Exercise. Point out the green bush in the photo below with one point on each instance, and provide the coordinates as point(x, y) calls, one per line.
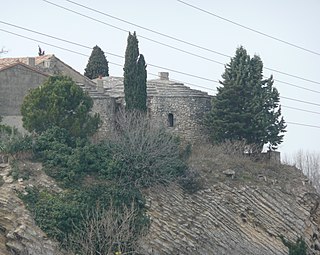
point(191, 181)
point(19, 171)
point(1, 181)
point(60, 214)
point(101, 176)
point(298, 248)
point(12, 142)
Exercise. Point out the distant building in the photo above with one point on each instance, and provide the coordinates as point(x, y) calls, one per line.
point(180, 108)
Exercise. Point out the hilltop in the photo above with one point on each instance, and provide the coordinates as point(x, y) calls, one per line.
point(231, 206)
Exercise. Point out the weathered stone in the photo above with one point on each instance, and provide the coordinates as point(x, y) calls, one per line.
point(229, 173)
point(227, 219)
point(18, 232)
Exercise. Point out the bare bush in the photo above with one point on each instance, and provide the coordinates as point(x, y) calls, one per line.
point(150, 154)
point(107, 231)
point(309, 164)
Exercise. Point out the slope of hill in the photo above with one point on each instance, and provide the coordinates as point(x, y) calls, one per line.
point(241, 214)
point(241, 207)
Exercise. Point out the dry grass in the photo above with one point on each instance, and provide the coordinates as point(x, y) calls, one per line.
point(210, 161)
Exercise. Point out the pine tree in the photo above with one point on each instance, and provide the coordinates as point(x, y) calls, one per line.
point(59, 102)
point(135, 76)
point(246, 107)
point(97, 64)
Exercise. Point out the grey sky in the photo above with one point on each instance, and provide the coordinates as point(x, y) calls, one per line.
point(293, 21)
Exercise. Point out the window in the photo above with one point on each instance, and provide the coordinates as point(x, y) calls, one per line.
point(47, 63)
point(170, 119)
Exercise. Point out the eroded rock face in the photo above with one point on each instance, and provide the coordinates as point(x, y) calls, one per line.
point(18, 233)
point(228, 216)
point(226, 219)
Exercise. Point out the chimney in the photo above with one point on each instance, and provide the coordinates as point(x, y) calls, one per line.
point(100, 87)
point(31, 61)
point(164, 76)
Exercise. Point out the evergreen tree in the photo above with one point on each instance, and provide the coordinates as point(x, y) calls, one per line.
point(135, 76)
point(246, 107)
point(97, 64)
point(59, 102)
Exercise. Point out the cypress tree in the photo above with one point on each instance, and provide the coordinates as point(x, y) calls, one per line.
point(97, 64)
point(141, 95)
point(246, 107)
point(135, 76)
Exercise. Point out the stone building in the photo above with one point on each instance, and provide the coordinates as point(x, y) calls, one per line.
point(180, 108)
point(19, 75)
point(15, 81)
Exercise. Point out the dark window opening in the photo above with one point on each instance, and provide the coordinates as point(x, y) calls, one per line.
point(170, 119)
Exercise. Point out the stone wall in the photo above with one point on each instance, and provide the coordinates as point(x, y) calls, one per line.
point(106, 107)
point(15, 83)
point(188, 115)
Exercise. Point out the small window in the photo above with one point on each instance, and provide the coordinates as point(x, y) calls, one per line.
point(47, 63)
point(170, 119)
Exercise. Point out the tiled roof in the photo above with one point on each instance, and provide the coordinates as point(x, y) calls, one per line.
point(158, 88)
point(4, 62)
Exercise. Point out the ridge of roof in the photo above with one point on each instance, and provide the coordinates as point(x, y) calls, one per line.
point(155, 87)
point(9, 61)
point(24, 65)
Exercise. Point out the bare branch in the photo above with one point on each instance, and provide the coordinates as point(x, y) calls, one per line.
point(151, 153)
point(107, 231)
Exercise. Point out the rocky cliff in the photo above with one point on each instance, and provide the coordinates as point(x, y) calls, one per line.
point(19, 234)
point(240, 209)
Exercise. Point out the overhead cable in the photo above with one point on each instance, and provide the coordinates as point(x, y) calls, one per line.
point(167, 36)
point(248, 28)
point(169, 69)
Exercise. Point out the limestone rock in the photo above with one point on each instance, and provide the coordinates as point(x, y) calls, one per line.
point(231, 219)
point(18, 232)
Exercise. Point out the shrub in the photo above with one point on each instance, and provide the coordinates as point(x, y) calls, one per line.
point(15, 144)
point(144, 152)
point(298, 248)
point(19, 171)
point(60, 215)
point(191, 181)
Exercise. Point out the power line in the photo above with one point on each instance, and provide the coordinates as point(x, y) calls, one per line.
point(116, 64)
point(116, 55)
point(148, 29)
point(248, 28)
point(167, 36)
point(302, 124)
point(172, 70)
point(76, 52)
point(300, 101)
point(127, 31)
point(299, 109)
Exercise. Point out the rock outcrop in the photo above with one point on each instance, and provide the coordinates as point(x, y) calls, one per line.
point(18, 232)
point(243, 213)
point(234, 217)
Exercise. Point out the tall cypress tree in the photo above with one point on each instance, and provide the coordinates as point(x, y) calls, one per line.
point(135, 76)
point(97, 64)
point(246, 107)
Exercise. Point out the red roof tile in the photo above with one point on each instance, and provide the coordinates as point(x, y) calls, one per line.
point(4, 62)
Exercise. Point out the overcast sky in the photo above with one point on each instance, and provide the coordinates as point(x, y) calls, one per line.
point(292, 21)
